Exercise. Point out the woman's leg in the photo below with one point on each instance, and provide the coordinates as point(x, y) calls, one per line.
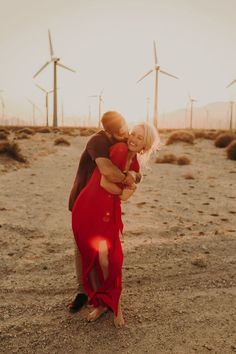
point(119, 319)
point(104, 264)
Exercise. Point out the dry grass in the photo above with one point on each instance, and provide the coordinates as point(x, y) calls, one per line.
point(22, 136)
point(88, 131)
point(223, 140)
point(4, 130)
point(182, 136)
point(183, 160)
point(28, 131)
point(44, 130)
point(188, 176)
point(172, 159)
point(168, 158)
point(12, 150)
point(3, 136)
point(61, 141)
point(231, 150)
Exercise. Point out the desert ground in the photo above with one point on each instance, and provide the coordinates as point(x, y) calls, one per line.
point(179, 273)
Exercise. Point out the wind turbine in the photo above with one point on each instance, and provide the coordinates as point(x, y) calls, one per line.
point(231, 83)
point(156, 69)
point(148, 104)
point(3, 105)
point(46, 100)
point(100, 100)
point(55, 60)
point(191, 100)
point(231, 114)
point(34, 106)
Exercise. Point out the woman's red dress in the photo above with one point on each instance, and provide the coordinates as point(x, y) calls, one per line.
point(96, 216)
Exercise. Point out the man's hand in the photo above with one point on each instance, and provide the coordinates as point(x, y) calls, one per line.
point(129, 179)
point(132, 177)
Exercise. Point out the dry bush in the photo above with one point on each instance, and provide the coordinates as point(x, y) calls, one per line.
point(3, 136)
point(183, 136)
point(4, 130)
point(26, 131)
point(22, 136)
point(12, 150)
point(199, 134)
point(168, 158)
point(224, 140)
point(44, 130)
point(183, 160)
point(88, 131)
point(188, 176)
point(61, 141)
point(231, 150)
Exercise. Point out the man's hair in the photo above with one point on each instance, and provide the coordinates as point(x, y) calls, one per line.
point(112, 121)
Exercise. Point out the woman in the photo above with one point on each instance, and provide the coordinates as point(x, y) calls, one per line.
point(96, 223)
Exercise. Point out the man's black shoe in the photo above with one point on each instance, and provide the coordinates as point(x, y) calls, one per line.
point(79, 301)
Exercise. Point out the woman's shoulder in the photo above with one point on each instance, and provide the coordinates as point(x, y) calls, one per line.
point(119, 147)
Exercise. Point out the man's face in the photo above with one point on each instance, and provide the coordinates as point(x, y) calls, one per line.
point(122, 134)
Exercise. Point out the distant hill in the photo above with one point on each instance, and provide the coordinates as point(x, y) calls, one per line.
point(213, 115)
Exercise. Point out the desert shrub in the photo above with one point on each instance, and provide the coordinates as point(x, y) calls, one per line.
point(26, 131)
point(167, 158)
point(199, 134)
point(44, 130)
point(231, 150)
point(61, 141)
point(4, 130)
point(188, 176)
point(224, 140)
point(12, 150)
point(3, 136)
point(183, 160)
point(22, 136)
point(180, 136)
point(88, 131)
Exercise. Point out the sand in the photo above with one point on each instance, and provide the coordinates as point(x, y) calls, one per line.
point(179, 274)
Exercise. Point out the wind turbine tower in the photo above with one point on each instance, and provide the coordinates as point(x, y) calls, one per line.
point(46, 101)
point(56, 62)
point(231, 106)
point(191, 100)
point(157, 69)
point(100, 100)
point(34, 107)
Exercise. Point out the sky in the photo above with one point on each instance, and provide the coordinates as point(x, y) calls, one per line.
point(110, 45)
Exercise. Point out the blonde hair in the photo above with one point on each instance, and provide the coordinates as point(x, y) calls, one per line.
point(151, 142)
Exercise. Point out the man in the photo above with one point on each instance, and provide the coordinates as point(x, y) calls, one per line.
point(95, 154)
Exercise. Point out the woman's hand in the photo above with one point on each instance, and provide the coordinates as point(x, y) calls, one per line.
point(127, 192)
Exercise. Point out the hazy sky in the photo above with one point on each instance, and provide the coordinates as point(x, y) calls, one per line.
point(110, 45)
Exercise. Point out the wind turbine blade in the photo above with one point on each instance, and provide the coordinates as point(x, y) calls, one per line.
point(149, 72)
point(66, 67)
point(43, 67)
point(41, 88)
point(231, 83)
point(165, 73)
point(101, 92)
point(50, 44)
point(93, 96)
point(155, 53)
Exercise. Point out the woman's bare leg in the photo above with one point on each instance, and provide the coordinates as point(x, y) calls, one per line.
point(104, 263)
point(119, 319)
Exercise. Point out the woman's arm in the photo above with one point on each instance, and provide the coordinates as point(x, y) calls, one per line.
point(127, 192)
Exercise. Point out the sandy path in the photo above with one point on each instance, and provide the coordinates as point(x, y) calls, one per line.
point(171, 305)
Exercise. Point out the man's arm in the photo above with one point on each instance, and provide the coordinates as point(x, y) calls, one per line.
point(109, 170)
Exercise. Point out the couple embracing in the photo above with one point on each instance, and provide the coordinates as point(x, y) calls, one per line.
point(108, 172)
